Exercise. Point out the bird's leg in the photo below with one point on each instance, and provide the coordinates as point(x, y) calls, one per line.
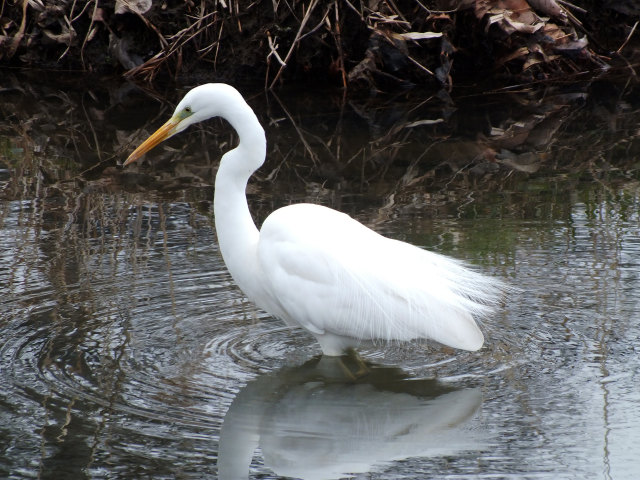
point(348, 366)
point(353, 365)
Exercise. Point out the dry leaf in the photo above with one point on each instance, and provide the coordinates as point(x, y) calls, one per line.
point(510, 15)
point(519, 53)
point(98, 15)
point(66, 37)
point(516, 134)
point(519, 26)
point(135, 6)
point(528, 162)
point(36, 5)
point(424, 122)
point(548, 7)
point(420, 35)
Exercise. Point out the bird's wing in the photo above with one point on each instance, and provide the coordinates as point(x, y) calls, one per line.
point(331, 274)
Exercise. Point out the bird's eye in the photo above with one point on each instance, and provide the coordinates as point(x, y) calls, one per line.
point(187, 109)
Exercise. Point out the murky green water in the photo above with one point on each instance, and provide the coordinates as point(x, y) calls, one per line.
point(127, 352)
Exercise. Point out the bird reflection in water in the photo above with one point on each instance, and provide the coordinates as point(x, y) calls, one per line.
point(319, 421)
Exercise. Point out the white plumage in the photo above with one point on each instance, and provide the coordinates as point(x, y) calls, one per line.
point(320, 269)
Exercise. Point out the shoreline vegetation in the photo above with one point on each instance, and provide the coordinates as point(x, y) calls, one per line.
point(503, 90)
point(358, 45)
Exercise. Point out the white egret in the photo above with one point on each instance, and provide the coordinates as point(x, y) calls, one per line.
point(319, 269)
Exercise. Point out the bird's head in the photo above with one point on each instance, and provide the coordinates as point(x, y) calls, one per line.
point(200, 103)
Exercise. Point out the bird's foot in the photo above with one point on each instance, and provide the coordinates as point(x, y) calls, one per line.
point(348, 367)
point(353, 366)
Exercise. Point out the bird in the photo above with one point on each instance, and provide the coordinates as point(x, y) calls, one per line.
point(317, 268)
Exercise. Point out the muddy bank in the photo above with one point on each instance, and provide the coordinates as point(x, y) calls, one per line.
point(369, 45)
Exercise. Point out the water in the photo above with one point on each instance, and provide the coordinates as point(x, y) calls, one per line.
point(127, 352)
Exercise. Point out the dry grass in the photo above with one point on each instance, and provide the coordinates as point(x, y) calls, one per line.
point(353, 44)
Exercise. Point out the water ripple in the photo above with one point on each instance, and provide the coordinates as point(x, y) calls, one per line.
point(127, 347)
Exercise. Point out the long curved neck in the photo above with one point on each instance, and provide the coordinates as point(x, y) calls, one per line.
point(236, 231)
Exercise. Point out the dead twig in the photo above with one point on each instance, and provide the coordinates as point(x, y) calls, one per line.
point(149, 68)
point(304, 21)
point(310, 151)
point(338, 39)
point(89, 34)
point(624, 44)
point(358, 12)
point(15, 41)
point(273, 46)
point(273, 50)
point(572, 6)
point(420, 66)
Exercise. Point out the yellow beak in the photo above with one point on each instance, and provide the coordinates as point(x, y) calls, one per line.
point(164, 132)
